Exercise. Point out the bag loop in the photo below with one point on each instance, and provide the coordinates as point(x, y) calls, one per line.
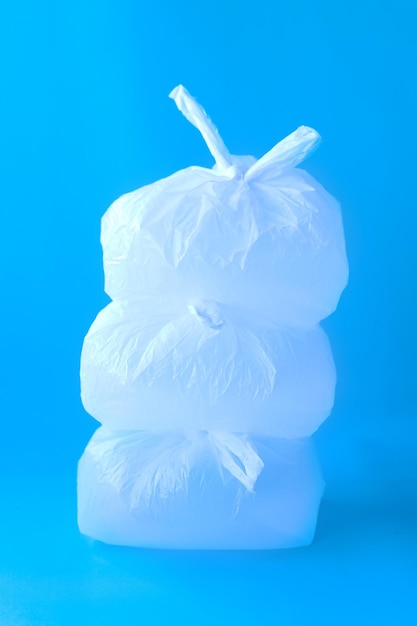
point(197, 116)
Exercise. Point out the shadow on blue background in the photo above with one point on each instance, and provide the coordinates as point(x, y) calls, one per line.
point(85, 117)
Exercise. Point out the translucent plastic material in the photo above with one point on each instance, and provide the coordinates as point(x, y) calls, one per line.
point(209, 371)
point(268, 240)
point(209, 368)
point(196, 490)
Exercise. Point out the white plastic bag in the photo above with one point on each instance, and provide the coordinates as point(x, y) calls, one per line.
point(209, 368)
point(262, 235)
point(196, 490)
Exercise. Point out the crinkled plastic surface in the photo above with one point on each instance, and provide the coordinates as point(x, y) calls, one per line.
point(196, 490)
point(209, 370)
point(260, 234)
point(209, 367)
point(270, 242)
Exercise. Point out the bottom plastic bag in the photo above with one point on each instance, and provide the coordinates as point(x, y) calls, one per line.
point(200, 490)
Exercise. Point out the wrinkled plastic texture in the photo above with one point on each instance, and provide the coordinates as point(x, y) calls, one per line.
point(182, 491)
point(269, 241)
point(208, 370)
point(176, 371)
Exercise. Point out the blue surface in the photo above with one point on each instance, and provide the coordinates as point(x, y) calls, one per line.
point(85, 116)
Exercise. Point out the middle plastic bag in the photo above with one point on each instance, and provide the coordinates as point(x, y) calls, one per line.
point(209, 368)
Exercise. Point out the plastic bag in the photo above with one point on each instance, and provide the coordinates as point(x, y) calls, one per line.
point(261, 235)
point(196, 490)
point(208, 368)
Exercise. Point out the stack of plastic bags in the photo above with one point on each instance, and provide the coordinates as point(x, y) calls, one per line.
point(208, 370)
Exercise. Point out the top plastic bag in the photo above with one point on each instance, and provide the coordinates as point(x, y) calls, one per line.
point(258, 234)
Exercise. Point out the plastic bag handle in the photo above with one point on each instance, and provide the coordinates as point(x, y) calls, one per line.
point(195, 114)
point(289, 152)
point(230, 447)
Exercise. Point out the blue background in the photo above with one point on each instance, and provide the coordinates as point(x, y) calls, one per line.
point(85, 117)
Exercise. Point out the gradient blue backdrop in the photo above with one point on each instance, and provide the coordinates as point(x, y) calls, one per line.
point(85, 117)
